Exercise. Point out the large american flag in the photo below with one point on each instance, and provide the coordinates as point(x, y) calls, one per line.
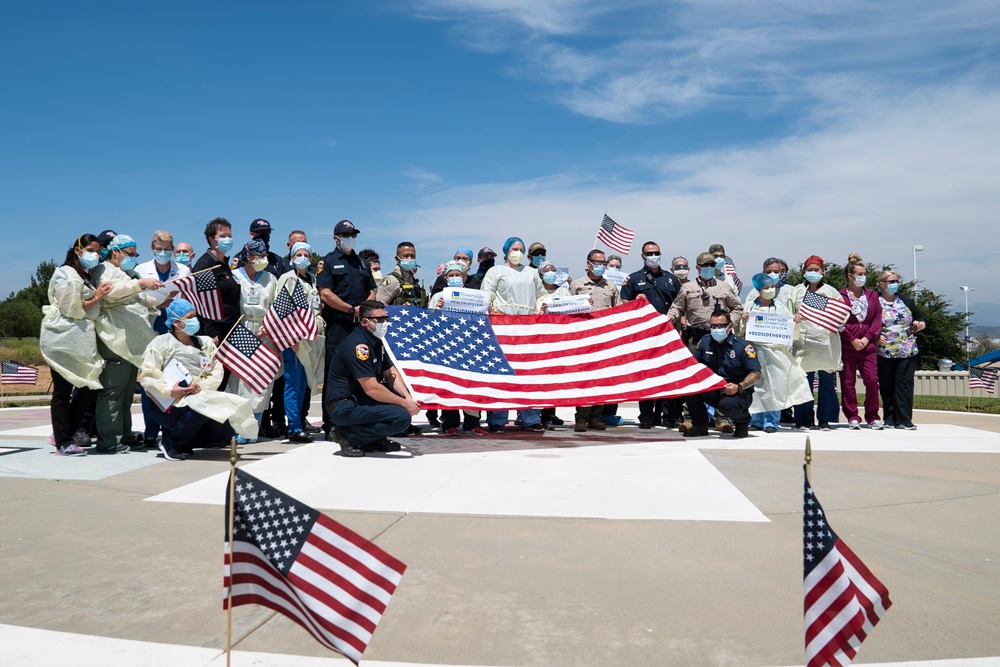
point(249, 358)
point(290, 319)
point(290, 558)
point(202, 289)
point(824, 312)
point(843, 599)
point(731, 272)
point(983, 378)
point(615, 236)
point(16, 373)
point(497, 362)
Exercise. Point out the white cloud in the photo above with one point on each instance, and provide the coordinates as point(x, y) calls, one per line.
point(421, 176)
point(877, 178)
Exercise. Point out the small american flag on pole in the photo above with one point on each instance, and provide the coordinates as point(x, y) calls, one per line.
point(246, 356)
point(202, 289)
point(615, 236)
point(290, 558)
point(843, 599)
point(15, 373)
point(824, 312)
point(290, 319)
point(498, 362)
point(731, 272)
point(983, 378)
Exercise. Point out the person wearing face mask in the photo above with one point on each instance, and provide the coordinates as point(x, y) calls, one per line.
point(859, 339)
point(536, 254)
point(615, 262)
point(68, 342)
point(123, 332)
point(487, 259)
point(401, 287)
point(257, 290)
point(660, 288)
point(680, 268)
point(303, 362)
point(816, 350)
point(344, 283)
point(776, 270)
point(514, 290)
point(163, 268)
point(550, 281)
point(898, 353)
point(219, 234)
point(260, 229)
point(602, 295)
point(295, 236)
point(198, 414)
point(783, 383)
point(719, 253)
point(104, 238)
point(374, 263)
point(367, 400)
point(184, 254)
point(470, 281)
point(735, 360)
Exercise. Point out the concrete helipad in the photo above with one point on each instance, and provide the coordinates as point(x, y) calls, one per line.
point(626, 547)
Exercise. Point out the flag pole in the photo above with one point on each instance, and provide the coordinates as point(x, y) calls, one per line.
point(232, 515)
point(809, 458)
point(596, 239)
point(193, 273)
point(212, 357)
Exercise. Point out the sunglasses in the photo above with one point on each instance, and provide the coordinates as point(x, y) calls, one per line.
point(598, 263)
point(719, 327)
point(349, 235)
point(891, 282)
point(681, 267)
point(650, 254)
point(378, 320)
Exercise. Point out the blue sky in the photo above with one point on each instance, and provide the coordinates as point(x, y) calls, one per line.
point(774, 128)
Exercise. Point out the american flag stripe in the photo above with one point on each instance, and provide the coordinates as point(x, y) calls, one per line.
point(615, 236)
point(290, 318)
point(18, 373)
point(731, 272)
point(983, 378)
point(843, 600)
point(622, 354)
point(202, 290)
point(292, 559)
point(253, 362)
point(824, 312)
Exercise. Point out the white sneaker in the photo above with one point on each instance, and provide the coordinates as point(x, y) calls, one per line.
point(877, 425)
point(854, 424)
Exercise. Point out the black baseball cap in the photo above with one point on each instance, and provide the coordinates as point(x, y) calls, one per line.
point(483, 252)
point(260, 225)
point(104, 238)
point(345, 227)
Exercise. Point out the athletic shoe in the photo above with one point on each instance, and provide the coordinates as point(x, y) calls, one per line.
point(908, 427)
point(613, 420)
point(824, 426)
point(854, 425)
point(81, 439)
point(803, 427)
point(876, 425)
point(117, 449)
point(536, 427)
point(494, 428)
point(770, 429)
point(555, 421)
point(171, 455)
point(451, 431)
point(71, 450)
point(52, 440)
point(434, 422)
point(477, 431)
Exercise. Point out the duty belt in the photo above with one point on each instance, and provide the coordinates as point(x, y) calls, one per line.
point(337, 401)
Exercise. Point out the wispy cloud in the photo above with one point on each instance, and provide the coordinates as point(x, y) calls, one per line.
point(882, 176)
point(642, 61)
point(421, 176)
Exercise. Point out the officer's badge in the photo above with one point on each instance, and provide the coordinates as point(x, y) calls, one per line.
point(752, 353)
point(732, 354)
point(362, 352)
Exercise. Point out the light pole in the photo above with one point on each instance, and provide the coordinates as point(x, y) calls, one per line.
point(968, 340)
point(916, 249)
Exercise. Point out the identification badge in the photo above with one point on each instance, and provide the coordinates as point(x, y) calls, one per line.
point(314, 301)
point(205, 362)
point(252, 299)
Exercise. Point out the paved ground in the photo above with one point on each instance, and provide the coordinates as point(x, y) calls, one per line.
point(624, 548)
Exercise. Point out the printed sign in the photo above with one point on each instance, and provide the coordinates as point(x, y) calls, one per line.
point(465, 300)
point(770, 328)
point(615, 277)
point(567, 305)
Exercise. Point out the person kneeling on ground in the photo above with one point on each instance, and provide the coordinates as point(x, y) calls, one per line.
point(199, 416)
point(367, 400)
point(736, 361)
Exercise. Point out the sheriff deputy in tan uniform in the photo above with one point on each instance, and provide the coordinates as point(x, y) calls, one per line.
point(602, 295)
point(697, 300)
point(400, 288)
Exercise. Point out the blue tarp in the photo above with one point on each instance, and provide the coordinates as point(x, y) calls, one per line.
point(987, 358)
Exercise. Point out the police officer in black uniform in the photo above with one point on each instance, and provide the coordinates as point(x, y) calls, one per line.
point(659, 288)
point(344, 283)
point(735, 360)
point(367, 401)
point(261, 229)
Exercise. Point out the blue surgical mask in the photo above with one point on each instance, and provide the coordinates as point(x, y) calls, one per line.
point(707, 272)
point(301, 262)
point(719, 335)
point(599, 269)
point(537, 260)
point(408, 264)
point(128, 263)
point(550, 277)
point(813, 276)
point(775, 277)
point(720, 263)
point(225, 244)
point(892, 288)
point(192, 326)
point(162, 256)
point(89, 260)
point(183, 258)
point(455, 281)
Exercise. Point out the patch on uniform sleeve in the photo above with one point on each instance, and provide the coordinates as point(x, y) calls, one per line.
point(386, 282)
point(362, 352)
point(319, 267)
point(752, 353)
point(624, 281)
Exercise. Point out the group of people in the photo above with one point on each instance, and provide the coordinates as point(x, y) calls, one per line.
point(111, 319)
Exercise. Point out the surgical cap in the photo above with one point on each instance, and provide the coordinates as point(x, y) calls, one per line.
point(762, 280)
point(465, 251)
point(509, 242)
point(121, 241)
point(300, 245)
point(814, 259)
point(177, 309)
point(255, 247)
point(453, 266)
